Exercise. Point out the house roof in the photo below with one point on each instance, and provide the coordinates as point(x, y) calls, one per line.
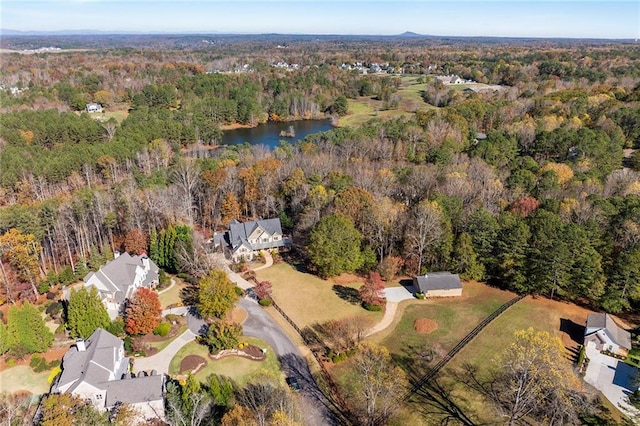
point(134, 391)
point(604, 321)
point(437, 281)
point(95, 364)
point(239, 233)
point(119, 274)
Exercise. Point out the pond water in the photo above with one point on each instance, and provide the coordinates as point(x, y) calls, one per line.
point(268, 134)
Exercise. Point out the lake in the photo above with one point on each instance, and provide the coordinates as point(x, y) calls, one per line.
point(268, 134)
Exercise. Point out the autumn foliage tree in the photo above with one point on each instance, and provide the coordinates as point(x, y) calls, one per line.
point(143, 312)
point(21, 252)
point(216, 295)
point(372, 291)
point(135, 242)
point(263, 290)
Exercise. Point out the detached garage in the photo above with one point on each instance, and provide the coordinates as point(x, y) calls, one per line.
point(438, 284)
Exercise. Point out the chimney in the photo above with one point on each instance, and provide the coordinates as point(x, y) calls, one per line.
point(116, 254)
point(80, 344)
point(145, 263)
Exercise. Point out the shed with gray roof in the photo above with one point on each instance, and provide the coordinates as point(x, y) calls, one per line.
point(438, 284)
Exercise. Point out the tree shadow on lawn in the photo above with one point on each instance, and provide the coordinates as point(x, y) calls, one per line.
point(349, 294)
point(573, 330)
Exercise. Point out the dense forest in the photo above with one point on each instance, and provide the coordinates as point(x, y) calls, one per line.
point(534, 187)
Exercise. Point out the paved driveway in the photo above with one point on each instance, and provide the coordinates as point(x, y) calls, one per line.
point(611, 377)
point(398, 294)
point(259, 324)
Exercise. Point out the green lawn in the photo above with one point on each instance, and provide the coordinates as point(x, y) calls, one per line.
point(308, 299)
point(22, 378)
point(455, 318)
point(172, 295)
point(239, 369)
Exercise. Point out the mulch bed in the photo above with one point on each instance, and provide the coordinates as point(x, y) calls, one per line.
point(425, 326)
point(251, 352)
point(192, 363)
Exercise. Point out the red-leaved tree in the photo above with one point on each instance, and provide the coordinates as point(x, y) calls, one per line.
point(263, 290)
point(135, 242)
point(143, 312)
point(525, 206)
point(372, 292)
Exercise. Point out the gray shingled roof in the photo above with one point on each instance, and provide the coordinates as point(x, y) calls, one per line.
point(120, 273)
point(133, 391)
point(240, 232)
point(437, 281)
point(93, 364)
point(604, 321)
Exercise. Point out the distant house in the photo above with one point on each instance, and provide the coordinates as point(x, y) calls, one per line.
point(93, 107)
point(246, 239)
point(117, 280)
point(438, 284)
point(456, 80)
point(97, 370)
point(603, 333)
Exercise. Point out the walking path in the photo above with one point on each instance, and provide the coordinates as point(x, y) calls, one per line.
point(268, 260)
point(173, 282)
point(160, 361)
point(394, 296)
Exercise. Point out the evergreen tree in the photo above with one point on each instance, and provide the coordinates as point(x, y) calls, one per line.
point(465, 259)
point(153, 247)
point(334, 246)
point(511, 252)
point(86, 313)
point(27, 332)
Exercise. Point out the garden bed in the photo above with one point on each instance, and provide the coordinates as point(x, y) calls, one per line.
point(249, 352)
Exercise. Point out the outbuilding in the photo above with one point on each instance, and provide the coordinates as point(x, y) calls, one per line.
point(438, 284)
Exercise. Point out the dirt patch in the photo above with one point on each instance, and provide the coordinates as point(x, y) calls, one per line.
point(50, 355)
point(192, 363)
point(424, 326)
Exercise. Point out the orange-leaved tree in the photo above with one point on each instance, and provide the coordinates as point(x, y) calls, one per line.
point(143, 312)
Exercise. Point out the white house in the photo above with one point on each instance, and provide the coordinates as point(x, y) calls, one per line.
point(97, 370)
point(117, 280)
point(93, 107)
point(603, 333)
point(246, 239)
point(438, 284)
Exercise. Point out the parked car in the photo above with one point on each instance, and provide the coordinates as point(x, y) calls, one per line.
point(293, 384)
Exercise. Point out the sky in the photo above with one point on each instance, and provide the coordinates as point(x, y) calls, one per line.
point(506, 18)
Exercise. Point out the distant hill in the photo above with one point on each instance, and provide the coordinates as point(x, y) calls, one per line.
point(410, 34)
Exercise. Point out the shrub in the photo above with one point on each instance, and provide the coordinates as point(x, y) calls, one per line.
point(61, 329)
point(173, 318)
point(128, 344)
point(419, 296)
point(116, 327)
point(265, 302)
point(372, 308)
point(54, 373)
point(38, 364)
point(162, 329)
point(239, 291)
point(54, 309)
point(43, 287)
point(338, 358)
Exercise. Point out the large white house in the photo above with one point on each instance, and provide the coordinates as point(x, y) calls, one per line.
point(117, 280)
point(246, 239)
point(97, 370)
point(605, 335)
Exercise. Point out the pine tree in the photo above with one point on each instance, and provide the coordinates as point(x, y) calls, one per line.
point(86, 313)
point(153, 247)
point(27, 332)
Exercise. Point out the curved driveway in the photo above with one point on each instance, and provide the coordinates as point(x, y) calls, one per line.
point(259, 324)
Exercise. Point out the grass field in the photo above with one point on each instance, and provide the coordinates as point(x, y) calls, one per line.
point(22, 378)
point(455, 318)
point(119, 113)
point(366, 108)
point(239, 369)
point(308, 299)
